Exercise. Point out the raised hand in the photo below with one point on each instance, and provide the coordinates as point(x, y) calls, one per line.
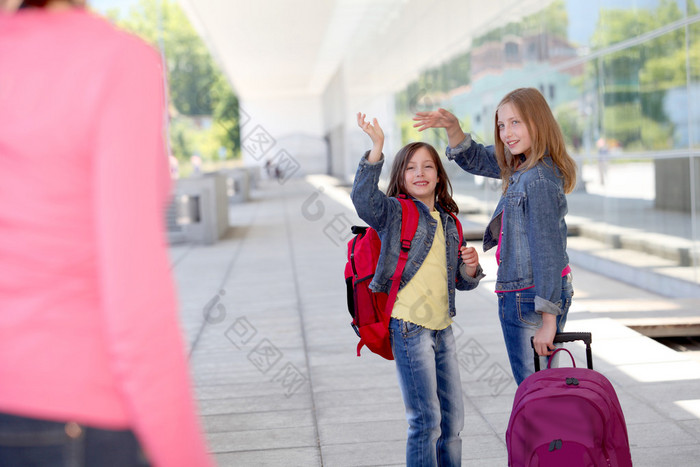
point(375, 133)
point(373, 129)
point(440, 118)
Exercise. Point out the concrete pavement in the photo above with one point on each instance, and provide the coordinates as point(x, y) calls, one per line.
point(273, 355)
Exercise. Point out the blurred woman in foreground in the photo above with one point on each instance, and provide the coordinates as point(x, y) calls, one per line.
point(92, 363)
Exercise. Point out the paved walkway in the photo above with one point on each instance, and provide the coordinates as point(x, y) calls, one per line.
point(273, 355)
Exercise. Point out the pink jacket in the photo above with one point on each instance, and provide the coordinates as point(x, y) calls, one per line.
point(88, 317)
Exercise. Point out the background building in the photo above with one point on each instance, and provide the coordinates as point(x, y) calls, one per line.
point(622, 77)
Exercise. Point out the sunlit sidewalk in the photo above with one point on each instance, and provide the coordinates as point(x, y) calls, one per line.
point(274, 364)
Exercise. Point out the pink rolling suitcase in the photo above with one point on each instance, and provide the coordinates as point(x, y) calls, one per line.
point(567, 417)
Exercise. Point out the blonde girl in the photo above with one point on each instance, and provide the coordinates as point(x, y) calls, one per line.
point(528, 228)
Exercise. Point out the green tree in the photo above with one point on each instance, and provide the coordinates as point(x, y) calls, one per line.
point(197, 87)
point(226, 117)
point(635, 80)
point(552, 20)
point(433, 84)
point(571, 126)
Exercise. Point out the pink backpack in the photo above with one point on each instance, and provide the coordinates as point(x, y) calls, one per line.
point(567, 417)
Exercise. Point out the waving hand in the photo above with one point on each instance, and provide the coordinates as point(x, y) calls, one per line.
point(440, 118)
point(375, 133)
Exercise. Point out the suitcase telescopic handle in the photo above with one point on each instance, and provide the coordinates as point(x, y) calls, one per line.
point(573, 336)
point(568, 337)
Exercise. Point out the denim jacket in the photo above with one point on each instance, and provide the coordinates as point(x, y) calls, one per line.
point(383, 214)
point(533, 245)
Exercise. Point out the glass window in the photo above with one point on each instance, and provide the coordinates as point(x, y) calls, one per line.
point(623, 81)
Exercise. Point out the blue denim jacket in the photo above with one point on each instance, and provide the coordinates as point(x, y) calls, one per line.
point(533, 246)
point(383, 214)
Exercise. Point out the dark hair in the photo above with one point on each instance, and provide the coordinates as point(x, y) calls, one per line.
point(36, 3)
point(397, 180)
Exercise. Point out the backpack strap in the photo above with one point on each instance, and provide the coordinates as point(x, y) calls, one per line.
point(461, 235)
point(459, 228)
point(409, 225)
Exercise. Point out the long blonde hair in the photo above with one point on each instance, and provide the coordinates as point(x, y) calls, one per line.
point(546, 136)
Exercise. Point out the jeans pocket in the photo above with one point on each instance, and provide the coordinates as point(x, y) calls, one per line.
point(525, 304)
point(409, 329)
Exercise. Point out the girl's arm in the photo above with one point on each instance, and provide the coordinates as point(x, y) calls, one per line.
point(544, 237)
point(475, 158)
point(371, 204)
point(544, 336)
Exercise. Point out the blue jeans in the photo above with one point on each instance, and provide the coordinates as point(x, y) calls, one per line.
point(426, 362)
point(43, 443)
point(519, 321)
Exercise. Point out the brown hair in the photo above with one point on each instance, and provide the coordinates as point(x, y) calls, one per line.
point(397, 180)
point(43, 3)
point(34, 3)
point(546, 136)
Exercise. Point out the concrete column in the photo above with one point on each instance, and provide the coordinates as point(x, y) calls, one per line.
point(673, 188)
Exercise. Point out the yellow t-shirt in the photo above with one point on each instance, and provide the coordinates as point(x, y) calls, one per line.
point(424, 300)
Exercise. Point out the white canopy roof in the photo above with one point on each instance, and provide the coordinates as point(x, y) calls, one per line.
point(284, 48)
